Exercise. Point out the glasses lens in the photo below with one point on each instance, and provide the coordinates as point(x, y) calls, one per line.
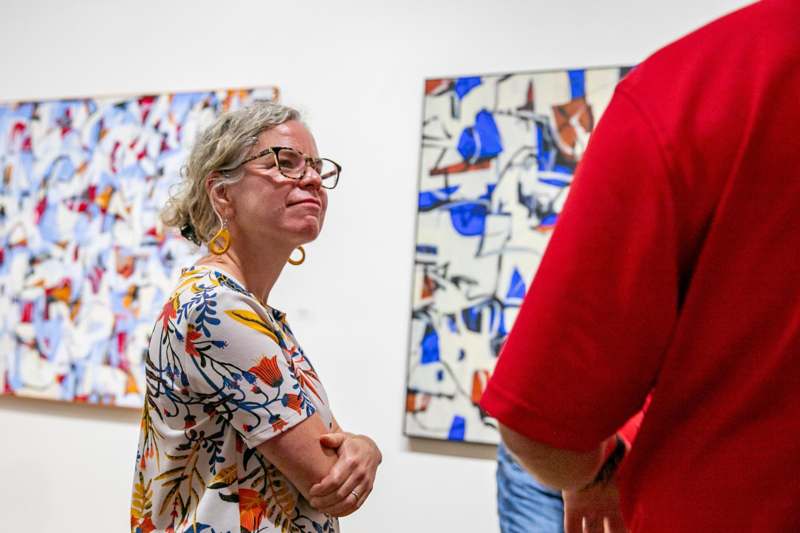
point(291, 163)
point(329, 173)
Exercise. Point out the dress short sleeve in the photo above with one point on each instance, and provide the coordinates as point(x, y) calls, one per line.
point(234, 359)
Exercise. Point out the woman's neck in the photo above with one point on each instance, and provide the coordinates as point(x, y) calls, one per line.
point(258, 268)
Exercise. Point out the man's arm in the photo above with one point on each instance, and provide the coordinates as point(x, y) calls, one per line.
point(558, 468)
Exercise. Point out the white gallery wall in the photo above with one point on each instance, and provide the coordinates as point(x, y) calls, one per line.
point(356, 68)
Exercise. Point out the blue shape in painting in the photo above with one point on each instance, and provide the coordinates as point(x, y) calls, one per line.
point(555, 182)
point(468, 219)
point(545, 158)
point(452, 324)
point(577, 83)
point(488, 134)
point(497, 317)
point(564, 169)
point(488, 194)
point(517, 287)
point(432, 199)
point(24, 110)
point(440, 375)
point(458, 428)
point(182, 103)
point(501, 327)
point(481, 141)
point(465, 85)
point(472, 318)
point(93, 137)
point(48, 224)
point(549, 220)
point(62, 169)
point(13, 375)
point(466, 143)
point(430, 346)
point(427, 249)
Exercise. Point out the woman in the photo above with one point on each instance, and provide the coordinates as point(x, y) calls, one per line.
point(237, 434)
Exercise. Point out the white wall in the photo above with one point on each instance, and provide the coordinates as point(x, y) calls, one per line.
point(356, 67)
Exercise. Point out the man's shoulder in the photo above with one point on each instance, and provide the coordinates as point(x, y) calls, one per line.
point(723, 47)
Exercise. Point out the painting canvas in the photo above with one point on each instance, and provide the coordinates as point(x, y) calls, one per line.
point(85, 264)
point(497, 159)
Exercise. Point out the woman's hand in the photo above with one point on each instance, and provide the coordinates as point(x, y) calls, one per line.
point(349, 482)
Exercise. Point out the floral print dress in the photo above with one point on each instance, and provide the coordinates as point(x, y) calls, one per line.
point(224, 374)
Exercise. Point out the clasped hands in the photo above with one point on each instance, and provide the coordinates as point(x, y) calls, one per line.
point(349, 482)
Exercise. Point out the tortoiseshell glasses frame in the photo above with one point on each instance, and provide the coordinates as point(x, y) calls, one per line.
point(292, 164)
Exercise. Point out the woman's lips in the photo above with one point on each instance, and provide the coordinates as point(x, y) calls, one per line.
point(310, 201)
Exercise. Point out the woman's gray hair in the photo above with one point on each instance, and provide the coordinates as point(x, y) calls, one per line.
point(223, 145)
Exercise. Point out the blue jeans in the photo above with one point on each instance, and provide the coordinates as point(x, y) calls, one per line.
point(523, 504)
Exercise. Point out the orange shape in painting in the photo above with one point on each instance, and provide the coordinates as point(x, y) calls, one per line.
point(125, 265)
point(104, 198)
point(479, 380)
point(458, 168)
point(130, 386)
point(61, 292)
point(436, 86)
point(428, 286)
point(564, 115)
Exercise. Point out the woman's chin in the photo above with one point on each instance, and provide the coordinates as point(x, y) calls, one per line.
point(308, 232)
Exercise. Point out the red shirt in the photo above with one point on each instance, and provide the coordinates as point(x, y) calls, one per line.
point(675, 268)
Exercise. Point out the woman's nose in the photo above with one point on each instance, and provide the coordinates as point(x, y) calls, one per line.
point(311, 178)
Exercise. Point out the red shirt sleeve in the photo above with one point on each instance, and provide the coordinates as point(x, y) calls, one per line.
point(586, 346)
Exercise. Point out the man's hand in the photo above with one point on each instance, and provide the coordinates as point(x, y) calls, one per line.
point(593, 510)
point(350, 480)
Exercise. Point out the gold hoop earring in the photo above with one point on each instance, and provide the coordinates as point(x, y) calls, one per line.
point(225, 236)
point(302, 257)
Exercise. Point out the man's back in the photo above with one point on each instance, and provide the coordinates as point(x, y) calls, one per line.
point(723, 430)
point(676, 268)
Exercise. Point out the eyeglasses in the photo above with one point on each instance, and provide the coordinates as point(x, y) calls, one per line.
point(293, 164)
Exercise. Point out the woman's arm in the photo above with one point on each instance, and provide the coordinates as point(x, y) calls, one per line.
point(299, 455)
point(338, 465)
point(234, 358)
point(350, 481)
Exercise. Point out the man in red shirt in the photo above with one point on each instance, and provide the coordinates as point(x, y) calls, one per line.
point(675, 272)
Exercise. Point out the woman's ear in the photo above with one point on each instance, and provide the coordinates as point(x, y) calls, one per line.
point(218, 194)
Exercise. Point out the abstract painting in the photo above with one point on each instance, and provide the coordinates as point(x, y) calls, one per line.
point(85, 264)
point(497, 160)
